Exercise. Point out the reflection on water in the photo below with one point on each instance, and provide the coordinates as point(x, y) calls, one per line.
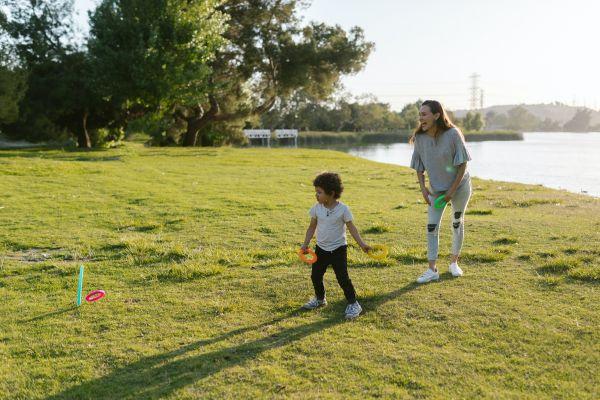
point(558, 160)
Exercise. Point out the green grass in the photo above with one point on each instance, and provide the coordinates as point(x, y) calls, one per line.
point(196, 250)
point(378, 228)
point(506, 241)
point(479, 212)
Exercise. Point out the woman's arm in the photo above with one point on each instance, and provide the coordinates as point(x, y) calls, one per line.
point(309, 233)
point(424, 190)
point(459, 175)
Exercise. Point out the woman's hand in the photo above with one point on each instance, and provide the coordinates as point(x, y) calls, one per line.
point(426, 195)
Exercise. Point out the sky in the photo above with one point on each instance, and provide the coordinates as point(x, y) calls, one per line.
point(524, 51)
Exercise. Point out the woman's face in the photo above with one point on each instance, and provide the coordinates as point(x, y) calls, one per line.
point(426, 118)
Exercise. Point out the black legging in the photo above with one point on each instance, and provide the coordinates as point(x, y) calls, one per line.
point(337, 258)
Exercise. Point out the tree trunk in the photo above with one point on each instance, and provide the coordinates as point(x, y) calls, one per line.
point(194, 124)
point(83, 137)
point(201, 119)
point(191, 134)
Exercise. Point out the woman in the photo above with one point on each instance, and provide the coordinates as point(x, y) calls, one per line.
point(439, 149)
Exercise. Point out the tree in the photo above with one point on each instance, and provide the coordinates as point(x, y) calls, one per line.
point(269, 56)
point(158, 52)
point(306, 113)
point(55, 102)
point(498, 121)
point(473, 121)
point(520, 119)
point(549, 125)
point(341, 115)
point(580, 121)
point(205, 63)
point(12, 88)
point(410, 114)
point(12, 78)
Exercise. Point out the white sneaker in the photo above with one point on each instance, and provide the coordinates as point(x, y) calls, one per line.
point(353, 310)
point(428, 276)
point(314, 303)
point(455, 270)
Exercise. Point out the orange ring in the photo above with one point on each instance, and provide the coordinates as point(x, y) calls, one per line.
point(382, 252)
point(306, 260)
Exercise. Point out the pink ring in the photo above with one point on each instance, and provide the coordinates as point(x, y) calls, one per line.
point(95, 295)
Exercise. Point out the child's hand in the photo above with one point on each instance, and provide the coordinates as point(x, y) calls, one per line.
point(366, 248)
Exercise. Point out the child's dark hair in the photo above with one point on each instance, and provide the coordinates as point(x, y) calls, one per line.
point(330, 182)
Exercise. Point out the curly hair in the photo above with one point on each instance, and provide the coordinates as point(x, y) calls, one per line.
point(330, 182)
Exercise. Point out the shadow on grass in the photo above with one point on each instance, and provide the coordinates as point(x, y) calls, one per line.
point(62, 153)
point(160, 375)
point(50, 314)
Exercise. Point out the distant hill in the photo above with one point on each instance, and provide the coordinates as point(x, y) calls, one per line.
point(556, 111)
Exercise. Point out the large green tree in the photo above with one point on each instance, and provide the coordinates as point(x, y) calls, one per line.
point(12, 78)
point(204, 64)
point(150, 56)
point(269, 56)
point(57, 100)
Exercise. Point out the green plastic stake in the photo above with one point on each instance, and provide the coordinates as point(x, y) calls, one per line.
point(80, 286)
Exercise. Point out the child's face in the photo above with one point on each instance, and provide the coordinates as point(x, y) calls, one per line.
point(321, 196)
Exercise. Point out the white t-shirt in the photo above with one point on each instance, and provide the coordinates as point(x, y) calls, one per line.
point(331, 225)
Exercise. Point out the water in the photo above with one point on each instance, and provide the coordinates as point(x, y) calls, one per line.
point(559, 160)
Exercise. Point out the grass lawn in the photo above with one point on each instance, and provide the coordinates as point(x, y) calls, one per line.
point(196, 250)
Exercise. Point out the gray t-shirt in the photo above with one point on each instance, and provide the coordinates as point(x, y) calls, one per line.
point(440, 158)
point(331, 225)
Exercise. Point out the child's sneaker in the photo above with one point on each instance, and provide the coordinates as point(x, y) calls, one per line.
point(353, 310)
point(314, 303)
point(455, 270)
point(428, 276)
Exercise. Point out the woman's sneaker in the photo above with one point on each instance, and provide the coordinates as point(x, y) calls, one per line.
point(314, 303)
point(455, 270)
point(428, 276)
point(353, 310)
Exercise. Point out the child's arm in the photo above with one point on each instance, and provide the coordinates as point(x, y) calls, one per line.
point(354, 232)
point(309, 233)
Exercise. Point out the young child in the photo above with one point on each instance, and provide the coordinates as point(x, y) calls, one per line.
point(329, 217)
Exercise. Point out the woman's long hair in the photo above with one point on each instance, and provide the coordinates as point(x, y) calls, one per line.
point(443, 123)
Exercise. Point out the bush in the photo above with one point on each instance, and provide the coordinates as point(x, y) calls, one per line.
point(107, 137)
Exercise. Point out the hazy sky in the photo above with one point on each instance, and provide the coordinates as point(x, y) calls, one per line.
point(525, 51)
